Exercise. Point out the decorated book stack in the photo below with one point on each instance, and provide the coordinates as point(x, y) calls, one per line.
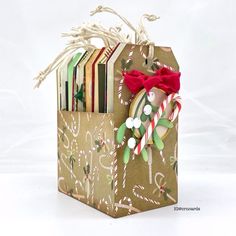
point(117, 120)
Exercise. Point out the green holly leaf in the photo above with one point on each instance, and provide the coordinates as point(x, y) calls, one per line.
point(80, 95)
point(163, 114)
point(126, 155)
point(121, 133)
point(157, 140)
point(167, 190)
point(144, 154)
point(72, 161)
point(156, 67)
point(143, 117)
point(165, 123)
point(165, 196)
point(142, 130)
point(129, 64)
point(84, 170)
point(154, 109)
point(112, 185)
point(175, 167)
point(88, 169)
point(123, 62)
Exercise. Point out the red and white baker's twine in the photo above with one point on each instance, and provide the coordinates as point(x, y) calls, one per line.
point(175, 97)
point(144, 198)
point(95, 170)
point(130, 58)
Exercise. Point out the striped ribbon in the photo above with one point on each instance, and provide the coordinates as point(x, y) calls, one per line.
point(172, 97)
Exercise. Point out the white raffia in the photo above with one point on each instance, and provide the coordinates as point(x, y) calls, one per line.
point(80, 37)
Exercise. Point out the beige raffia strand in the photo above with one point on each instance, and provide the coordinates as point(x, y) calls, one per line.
point(80, 38)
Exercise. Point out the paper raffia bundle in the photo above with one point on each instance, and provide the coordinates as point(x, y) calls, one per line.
point(117, 119)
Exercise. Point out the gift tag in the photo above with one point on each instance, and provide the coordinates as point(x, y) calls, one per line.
point(95, 80)
point(111, 76)
point(80, 81)
point(62, 70)
point(59, 95)
point(71, 79)
point(88, 80)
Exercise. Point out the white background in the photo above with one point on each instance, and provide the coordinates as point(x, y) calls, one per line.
point(202, 34)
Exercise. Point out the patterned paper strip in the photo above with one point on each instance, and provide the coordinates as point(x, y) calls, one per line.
point(175, 97)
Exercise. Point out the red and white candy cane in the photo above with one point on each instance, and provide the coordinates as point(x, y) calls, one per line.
point(172, 97)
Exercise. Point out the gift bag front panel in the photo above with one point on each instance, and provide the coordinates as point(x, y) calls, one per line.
point(85, 158)
point(139, 186)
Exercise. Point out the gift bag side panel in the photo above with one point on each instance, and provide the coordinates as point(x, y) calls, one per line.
point(85, 158)
point(134, 192)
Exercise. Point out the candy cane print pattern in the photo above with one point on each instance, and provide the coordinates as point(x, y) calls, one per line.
point(143, 54)
point(131, 52)
point(164, 65)
point(61, 134)
point(100, 161)
point(89, 115)
point(162, 157)
point(130, 207)
point(124, 176)
point(59, 164)
point(77, 195)
point(108, 204)
point(60, 179)
point(161, 186)
point(177, 108)
point(65, 191)
point(92, 148)
point(130, 57)
point(67, 167)
point(74, 146)
point(156, 117)
point(155, 60)
point(73, 128)
point(115, 174)
point(95, 170)
point(125, 103)
point(143, 197)
point(78, 183)
point(102, 123)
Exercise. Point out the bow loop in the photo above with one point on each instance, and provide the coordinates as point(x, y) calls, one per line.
point(163, 78)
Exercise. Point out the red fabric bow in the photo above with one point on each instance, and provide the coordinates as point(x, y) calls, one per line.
point(163, 78)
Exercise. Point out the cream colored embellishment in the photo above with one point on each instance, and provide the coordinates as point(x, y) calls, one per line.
point(129, 123)
point(151, 96)
point(147, 109)
point(131, 143)
point(137, 123)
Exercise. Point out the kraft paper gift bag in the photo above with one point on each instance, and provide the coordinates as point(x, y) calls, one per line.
point(124, 160)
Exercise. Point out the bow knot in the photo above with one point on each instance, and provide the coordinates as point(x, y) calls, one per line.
point(163, 78)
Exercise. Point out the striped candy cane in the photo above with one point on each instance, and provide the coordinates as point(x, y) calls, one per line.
point(175, 97)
